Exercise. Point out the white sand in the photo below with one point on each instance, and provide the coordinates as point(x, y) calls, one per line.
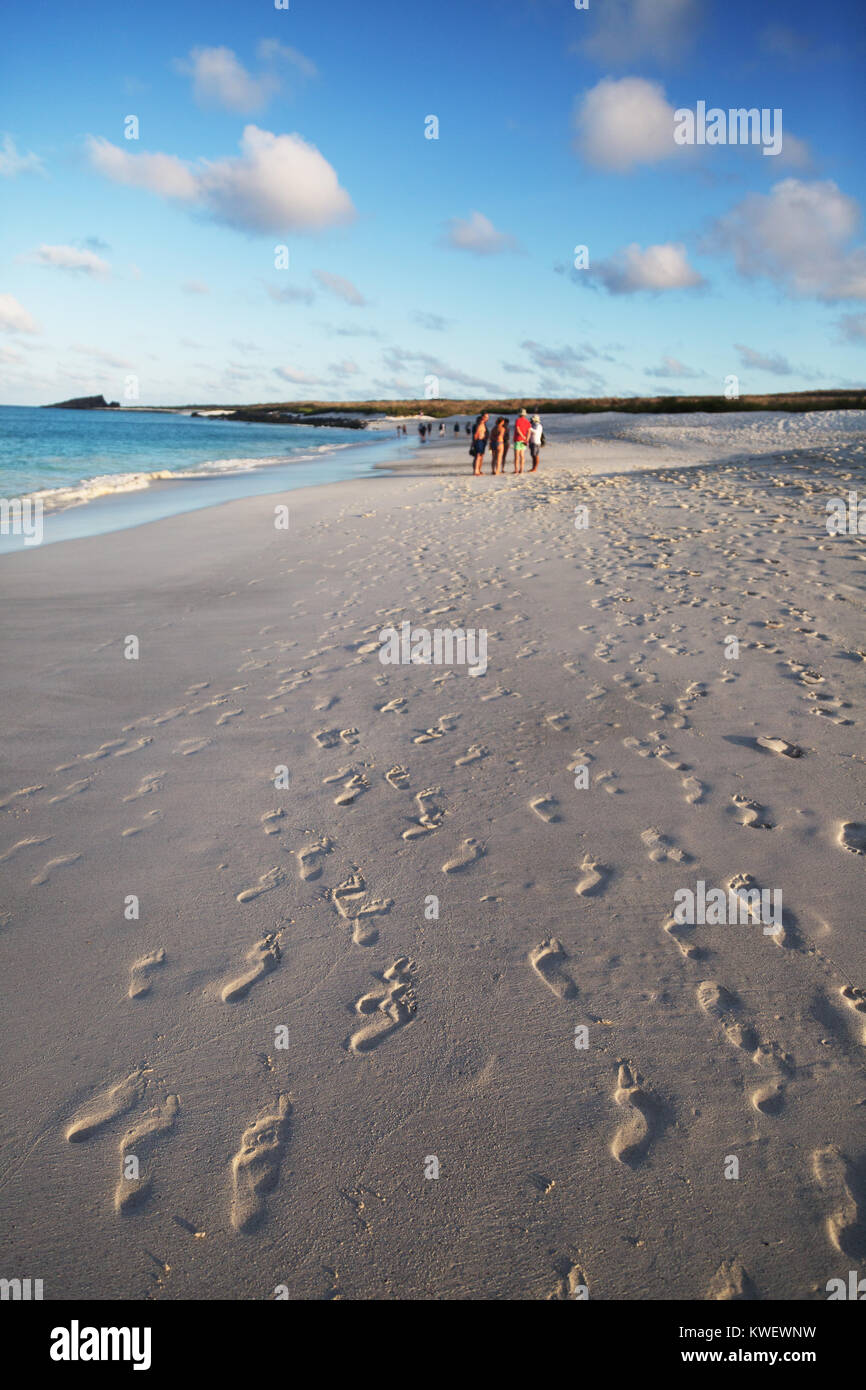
point(410, 1037)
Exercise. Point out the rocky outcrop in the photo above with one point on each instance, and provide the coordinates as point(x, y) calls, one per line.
point(84, 403)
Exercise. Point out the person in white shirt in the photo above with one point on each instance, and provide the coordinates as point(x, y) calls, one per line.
point(535, 436)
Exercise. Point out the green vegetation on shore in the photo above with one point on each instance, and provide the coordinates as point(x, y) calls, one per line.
point(298, 412)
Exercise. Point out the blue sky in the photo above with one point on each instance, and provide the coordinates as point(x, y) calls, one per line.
point(413, 259)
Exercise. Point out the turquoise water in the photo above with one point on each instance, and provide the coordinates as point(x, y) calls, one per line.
point(96, 471)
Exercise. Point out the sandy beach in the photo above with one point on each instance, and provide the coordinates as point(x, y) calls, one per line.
point(371, 970)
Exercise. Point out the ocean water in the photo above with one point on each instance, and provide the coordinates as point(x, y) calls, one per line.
point(96, 471)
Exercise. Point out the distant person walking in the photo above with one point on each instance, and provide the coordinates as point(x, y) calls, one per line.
point(422, 430)
point(536, 439)
point(522, 427)
point(479, 443)
point(497, 444)
point(506, 442)
point(457, 427)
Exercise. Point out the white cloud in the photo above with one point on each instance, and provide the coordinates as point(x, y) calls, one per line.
point(297, 377)
point(774, 363)
point(434, 323)
point(796, 153)
point(342, 288)
point(12, 163)
point(623, 122)
point(798, 236)
point(289, 294)
point(219, 78)
point(108, 359)
point(397, 358)
point(279, 183)
point(562, 363)
point(272, 51)
point(478, 235)
point(14, 318)
point(163, 174)
point(195, 287)
point(70, 258)
point(671, 368)
point(658, 268)
point(631, 30)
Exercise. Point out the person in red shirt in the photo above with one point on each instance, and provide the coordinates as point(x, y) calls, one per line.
point(522, 427)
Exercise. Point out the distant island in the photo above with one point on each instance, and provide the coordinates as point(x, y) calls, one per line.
point(344, 414)
point(84, 403)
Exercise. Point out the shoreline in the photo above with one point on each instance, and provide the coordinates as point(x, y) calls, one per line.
point(592, 444)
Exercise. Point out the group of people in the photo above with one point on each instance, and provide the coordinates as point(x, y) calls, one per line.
point(528, 434)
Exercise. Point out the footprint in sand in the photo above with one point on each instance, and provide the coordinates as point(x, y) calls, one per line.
point(773, 744)
point(721, 1006)
point(470, 852)
point(548, 962)
point(852, 836)
point(855, 999)
point(141, 971)
point(731, 1283)
point(636, 1133)
point(107, 1106)
point(769, 1097)
point(393, 706)
point(680, 933)
point(192, 745)
point(261, 960)
point(431, 813)
point(398, 778)
point(750, 813)
point(271, 879)
point(352, 903)
point(22, 791)
point(74, 789)
point(134, 748)
point(356, 785)
point(311, 859)
point(546, 808)
point(152, 817)
point(392, 1006)
point(660, 848)
point(607, 779)
point(843, 1183)
point(595, 878)
point(151, 783)
point(45, 872)
point(473, 753)
point(256, 1166)
point(23, 844)
point(138, 1143)
point(573, 1285)
point(693, 790)
point(270, 822)
point(327, 738)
